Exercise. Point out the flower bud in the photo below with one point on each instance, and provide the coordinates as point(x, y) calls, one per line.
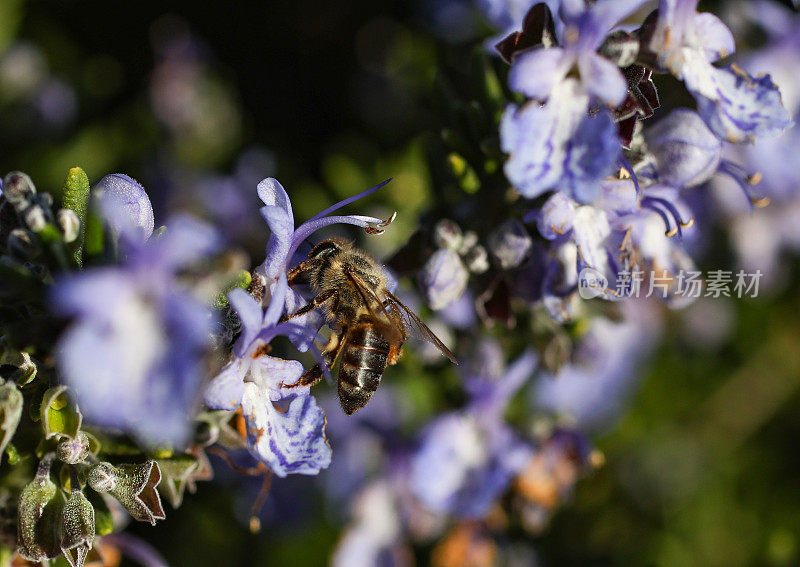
point(444, 278)
point(125, 204)
point(40, 505)
point(476, 259)
point(103, 477)
point(510, 244)
point(35, 218)
point(22, 245)
point(77, 528)
point(447, 234)
point(72, 451)
point(686, 152)
point(18, 189)
point(69, 223)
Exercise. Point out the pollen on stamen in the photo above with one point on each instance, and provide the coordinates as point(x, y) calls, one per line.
point(623, 173)
point(760, 202)
point(377, 228)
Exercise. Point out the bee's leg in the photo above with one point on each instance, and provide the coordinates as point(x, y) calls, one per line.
point(395, 350)
point(296, 274)
point(327, 295)
point(329, 354)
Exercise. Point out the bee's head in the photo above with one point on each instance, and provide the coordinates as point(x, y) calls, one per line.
point(327, 248)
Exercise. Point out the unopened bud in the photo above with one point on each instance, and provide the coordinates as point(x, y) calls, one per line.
point(477, 259)
point(34, 217)
point(103, 477)
point(69, 223)
point(18, 188)
point(40, 505)
point(22, 244)
point(77, 528)
point(72, 451)
point(444, 278)
point(447, 234)
point(510, 244)
point(469, 241)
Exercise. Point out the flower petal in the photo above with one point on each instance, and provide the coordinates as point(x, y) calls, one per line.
point(602, 79)
point(225, 390)
point(291, 441)
point(535, 72)
point(556, 216)
point(278, 215)
point(714, 36)
point(591, 155)
point(743, 106)
point(270, 373)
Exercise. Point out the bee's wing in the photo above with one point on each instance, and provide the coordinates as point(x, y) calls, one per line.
point(376, 308)
point(414, 326)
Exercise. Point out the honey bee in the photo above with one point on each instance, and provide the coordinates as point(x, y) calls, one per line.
point(370, 324)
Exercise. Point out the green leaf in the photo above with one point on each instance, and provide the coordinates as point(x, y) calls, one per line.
point(59, 413)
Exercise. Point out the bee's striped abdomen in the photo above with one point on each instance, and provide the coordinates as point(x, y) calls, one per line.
point(364, 359)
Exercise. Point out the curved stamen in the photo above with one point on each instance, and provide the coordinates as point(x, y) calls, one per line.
point(745, 181)
point(648, 203)
point(349, 200)
point(671, 210)
point(629, 168)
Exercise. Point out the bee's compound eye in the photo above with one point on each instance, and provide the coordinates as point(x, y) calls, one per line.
point(324, 248)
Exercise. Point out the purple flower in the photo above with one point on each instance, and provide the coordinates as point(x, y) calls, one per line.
point(285, 427)
point(375, 537)
point(472, 454)
point(558, 146)
point(134, 352)
point(538, 71)
point(593, 388)
point(736, 106)
point(125, 205)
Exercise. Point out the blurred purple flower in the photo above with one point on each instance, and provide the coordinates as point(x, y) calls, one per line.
point(472, 454)
point(558, 146)
point(593, 388)
point(125, 205)
point(134, 352)
point(285, 427)
point(375, 537)
point(736, 106)
point(537, 72)
point(443, 278)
